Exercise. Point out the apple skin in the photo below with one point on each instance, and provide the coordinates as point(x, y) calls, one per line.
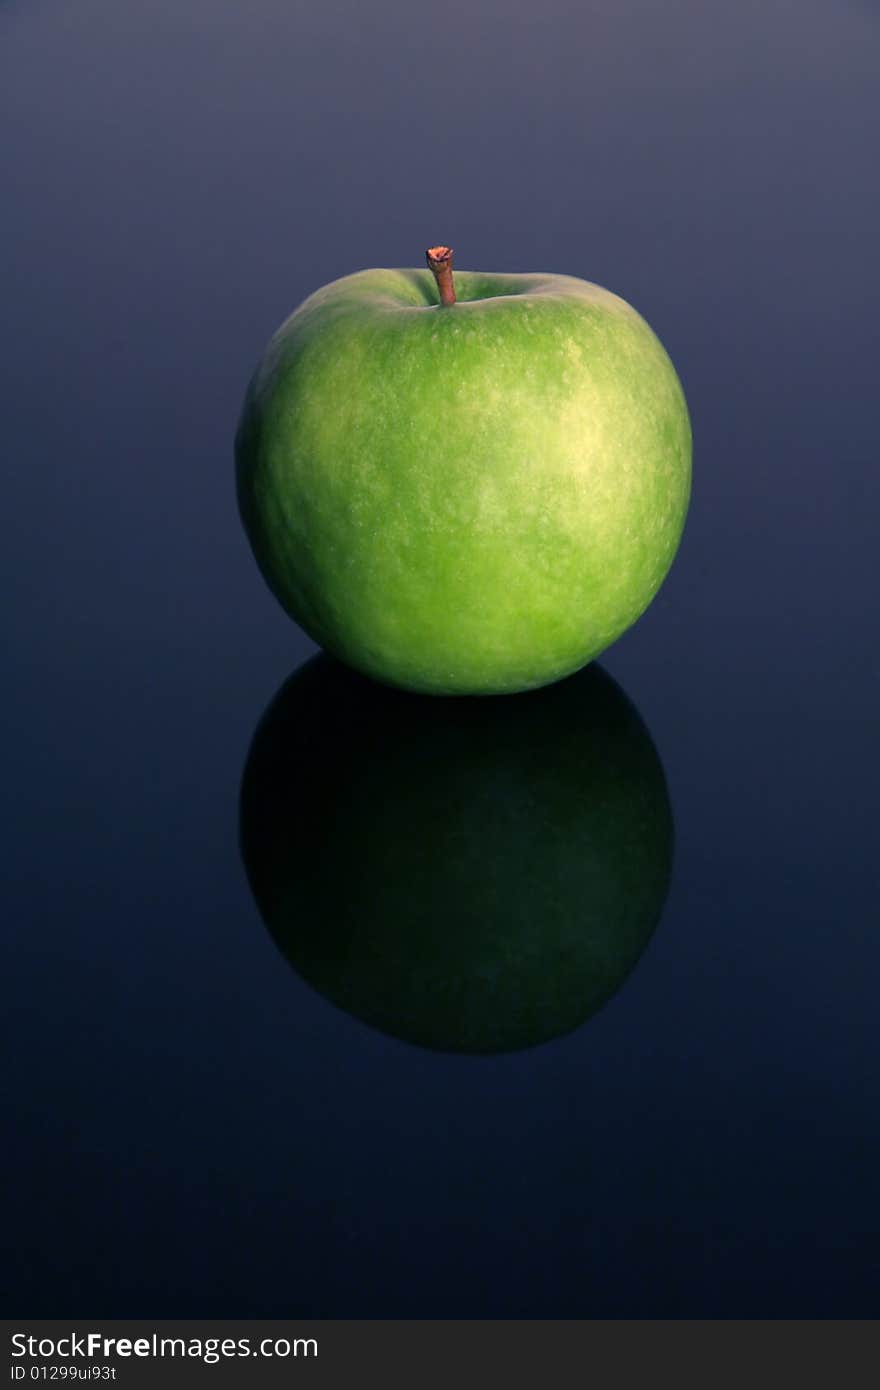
point(467, 499)
point(475, 875)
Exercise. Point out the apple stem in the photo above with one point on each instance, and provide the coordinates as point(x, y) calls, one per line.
point(439, 260)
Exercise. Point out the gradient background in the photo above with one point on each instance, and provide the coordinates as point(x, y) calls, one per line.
point(192, 1130)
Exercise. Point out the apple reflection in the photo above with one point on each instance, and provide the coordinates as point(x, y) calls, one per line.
point(469, 874)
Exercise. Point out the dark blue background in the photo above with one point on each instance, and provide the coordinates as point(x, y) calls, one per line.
point(192, 1130)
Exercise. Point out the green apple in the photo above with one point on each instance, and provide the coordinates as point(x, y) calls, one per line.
point(470, 496)
point(475, 875)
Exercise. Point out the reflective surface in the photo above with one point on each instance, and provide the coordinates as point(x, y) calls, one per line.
point(194, 1129)
point(470, 875)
